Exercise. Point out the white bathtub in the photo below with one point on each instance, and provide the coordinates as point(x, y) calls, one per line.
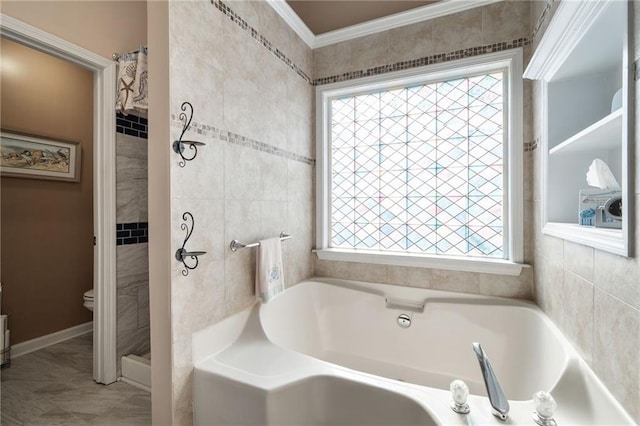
point(332, 352)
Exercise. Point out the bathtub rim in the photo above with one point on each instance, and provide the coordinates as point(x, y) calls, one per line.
point(222, 336)
point(427, 296)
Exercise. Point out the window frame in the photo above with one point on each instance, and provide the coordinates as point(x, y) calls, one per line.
point(511, 264)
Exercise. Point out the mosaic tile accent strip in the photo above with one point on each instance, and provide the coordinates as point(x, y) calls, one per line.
point(427, 60)
point(244, 25)
point(531, 146)
point(398, 66)
point(132, 125)
point(542, 18)
point(237, 139)
point(132, 233)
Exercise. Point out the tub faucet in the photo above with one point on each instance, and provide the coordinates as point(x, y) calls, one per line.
point(499, 403)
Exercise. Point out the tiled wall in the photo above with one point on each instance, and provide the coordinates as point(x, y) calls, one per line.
point(132, 233)
point(254, 178)
point(498, 26)
point(131, 237)
point(593, 296)
point(246, 74)
point(132, 125)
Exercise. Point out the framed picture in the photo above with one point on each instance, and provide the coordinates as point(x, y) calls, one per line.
point(38, 158)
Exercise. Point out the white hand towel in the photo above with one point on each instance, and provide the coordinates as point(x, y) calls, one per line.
point(269, 271)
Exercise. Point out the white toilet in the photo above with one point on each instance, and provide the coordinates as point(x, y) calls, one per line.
point(88, 299)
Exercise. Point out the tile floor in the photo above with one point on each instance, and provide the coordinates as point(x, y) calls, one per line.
point(53, 386)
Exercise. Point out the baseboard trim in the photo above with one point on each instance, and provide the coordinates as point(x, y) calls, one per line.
point(41, 342)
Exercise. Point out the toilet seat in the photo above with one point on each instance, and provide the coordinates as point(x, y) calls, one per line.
point(88, 299)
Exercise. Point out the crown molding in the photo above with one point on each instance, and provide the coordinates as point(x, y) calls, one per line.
point(570, 22)
point(293, 20)
point(424, 13)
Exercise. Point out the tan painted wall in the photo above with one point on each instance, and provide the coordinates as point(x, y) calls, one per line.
point(47, 226)
point(104, 27)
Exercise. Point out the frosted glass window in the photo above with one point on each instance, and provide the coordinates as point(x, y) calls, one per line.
point(420, 169)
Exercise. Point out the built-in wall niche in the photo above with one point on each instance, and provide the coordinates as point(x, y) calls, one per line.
point(583, 63)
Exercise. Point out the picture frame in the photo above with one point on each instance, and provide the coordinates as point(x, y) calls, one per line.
point(35, 157)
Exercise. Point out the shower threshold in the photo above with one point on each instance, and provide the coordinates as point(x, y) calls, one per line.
point(136, 370)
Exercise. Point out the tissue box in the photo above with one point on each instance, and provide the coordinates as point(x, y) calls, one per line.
point(588, 202)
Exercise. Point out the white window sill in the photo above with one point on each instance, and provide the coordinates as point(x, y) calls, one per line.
point(486, 266)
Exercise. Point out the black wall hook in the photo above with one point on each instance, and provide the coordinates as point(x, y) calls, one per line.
point(179, 145)
point(181, 253)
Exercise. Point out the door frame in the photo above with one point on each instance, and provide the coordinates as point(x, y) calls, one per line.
point(104, 183)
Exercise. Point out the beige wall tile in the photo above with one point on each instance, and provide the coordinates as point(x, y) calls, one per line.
point(618, 276)
point(635, 11)
point(329, 269)
point(505, 21)
point(274, 178)
point(273, 218)
point(507, 286)
point(195, 299)
point(549, 279)
point(205, 94)
point(414, 277)
point(458, 31)
point(242, 173)
point(373, 51)
point(410, 42)
point(462, 282)
point(240, 272)
point(332, 60)
point(187, 20)
point(367, 272)
point(550, 247)
point(528, 231)
point(616, 349)
point(579, 259)
point(576, 313)
point(243, 221)
point(637, 137)
point(301, 178)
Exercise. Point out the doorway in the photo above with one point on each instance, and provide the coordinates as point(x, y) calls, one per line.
point(104, 256)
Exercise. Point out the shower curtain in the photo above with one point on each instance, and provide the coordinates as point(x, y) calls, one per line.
point(132, 89)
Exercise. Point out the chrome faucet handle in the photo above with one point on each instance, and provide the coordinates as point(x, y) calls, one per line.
point(459, 394)
point(497, 399)
point(545, 407)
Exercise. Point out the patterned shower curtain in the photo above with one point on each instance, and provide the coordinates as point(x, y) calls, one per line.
point(131, 84)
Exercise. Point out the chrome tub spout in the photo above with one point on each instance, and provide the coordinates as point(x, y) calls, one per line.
point(499, 403)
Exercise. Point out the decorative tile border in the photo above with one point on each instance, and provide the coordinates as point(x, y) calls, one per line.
point(132, 125)
point(237, 139)
point(542, 18)
point(244, 25)
point(531, 146)
point(132, 233)
point(427, 60)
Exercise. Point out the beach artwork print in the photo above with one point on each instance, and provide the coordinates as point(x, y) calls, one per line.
point(39, 158)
